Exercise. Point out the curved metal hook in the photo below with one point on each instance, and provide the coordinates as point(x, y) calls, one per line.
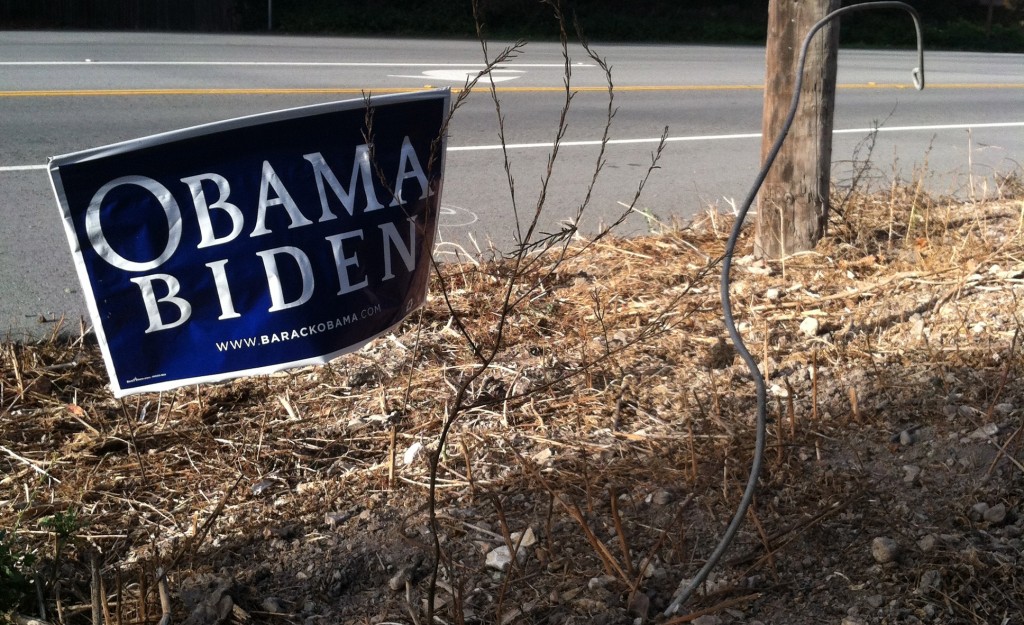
point(917, 73)
point(759, 442)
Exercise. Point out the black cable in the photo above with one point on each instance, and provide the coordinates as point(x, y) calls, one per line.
point(730, 325)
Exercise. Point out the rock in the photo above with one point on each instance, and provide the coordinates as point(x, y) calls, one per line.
point(772, 295)
point(907, 438)
point(500, 557)
point(985, 432)
point(917, 330)
point(853, 620)
point(272, 605)
point(263, 486)
point(968, 412)
point(778, 391)
point(708, 619)
point(721, 355)
point(660, 497)
point(524, 539)
point(876, 601)
point(978, 511)
point(884, 550)
point(809, 327)
point(399, 579)
point(928, 543)
point(1003, 409)
point(209, 603)
point(650, 570)
point(996, 514)
point(911, 473)
point(602, 581)
point(543, 456)
point(929, 581)
point(333, 519)
point(412, 453)
point(225, 607)
point(639, 605)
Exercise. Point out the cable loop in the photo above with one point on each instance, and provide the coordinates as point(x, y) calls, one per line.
point(730, 325)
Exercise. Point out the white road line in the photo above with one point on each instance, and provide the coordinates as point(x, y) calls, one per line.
point(747, 135)
point(275, 64)
point(21, 167)
point(655, 140)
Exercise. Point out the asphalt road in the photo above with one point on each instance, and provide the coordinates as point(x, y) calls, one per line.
point(63, 92)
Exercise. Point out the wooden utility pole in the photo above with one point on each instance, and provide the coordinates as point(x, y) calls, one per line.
point(792, 208)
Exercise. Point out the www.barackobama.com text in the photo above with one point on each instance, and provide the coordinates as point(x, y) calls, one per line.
point(298, 333)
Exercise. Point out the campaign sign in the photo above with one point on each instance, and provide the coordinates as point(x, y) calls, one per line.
point(255, 244)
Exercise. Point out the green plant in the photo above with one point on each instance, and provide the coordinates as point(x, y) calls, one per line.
point(15, 583)
point(64, 524)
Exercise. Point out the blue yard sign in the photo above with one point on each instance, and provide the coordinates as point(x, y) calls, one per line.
point(256, 244)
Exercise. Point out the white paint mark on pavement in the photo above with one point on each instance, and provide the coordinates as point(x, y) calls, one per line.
point(655, 140)
point(461, 75)
point(274, 64)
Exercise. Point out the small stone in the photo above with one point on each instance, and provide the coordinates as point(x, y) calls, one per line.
point(224, 608)
point(1003, 409)
point(499, 558)
point(884, 550)
point(543, 456)
point(262, 486)
point(930, 610)
point(661, 497)
point(978, 511)
point(772, 295)
point(640, 605)
point(399, 579)
point(853, 620)
point(720, 355)
point(602, 581)
point(911, 473)
point(929, 581)
point(928, 543)
point(524, 539)
point(996, 514)
point(272, 605)
point(810, 326)
point(907, 438)
point(649, 570)
point(412, 453)
point(876, 601)
point(333, 519)
point(917, 331)
point(967, 412)
point(987, 431)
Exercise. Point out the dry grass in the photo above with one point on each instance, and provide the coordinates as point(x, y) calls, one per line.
point(615, 425)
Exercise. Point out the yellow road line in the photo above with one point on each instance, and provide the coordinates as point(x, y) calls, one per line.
point(67, 93)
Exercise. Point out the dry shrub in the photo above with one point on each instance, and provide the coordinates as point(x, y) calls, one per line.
point(614, 424)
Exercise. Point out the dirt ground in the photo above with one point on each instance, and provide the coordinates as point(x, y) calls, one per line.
point(607, 444)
